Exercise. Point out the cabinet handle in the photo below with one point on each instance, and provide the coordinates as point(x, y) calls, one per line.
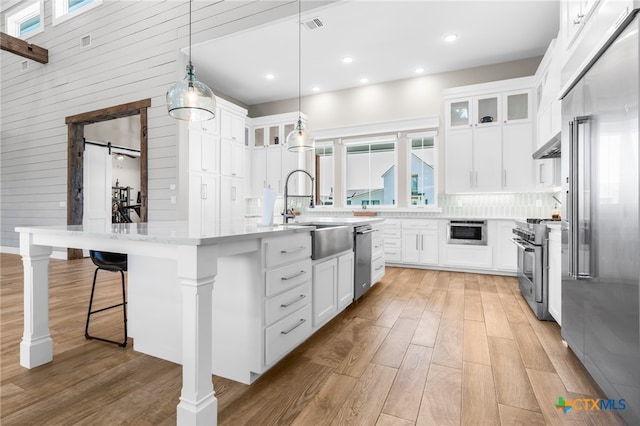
point(471, 179)
point(233, 193)
point(504, 178)
point(379, 267)
point(203, 191)
point(299, 298)
point(541, 176)
point(422, 243)
point(292, 250)
point(578, 19)
point(417, 242)
point(290, 277)
point(302, 321)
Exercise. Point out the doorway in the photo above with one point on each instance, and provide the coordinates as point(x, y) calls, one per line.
point(75, 159)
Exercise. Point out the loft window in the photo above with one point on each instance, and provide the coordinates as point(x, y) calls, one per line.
point(26, 21)
point(67, 9)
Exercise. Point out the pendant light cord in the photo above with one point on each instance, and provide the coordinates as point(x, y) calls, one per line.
point(190, 1)
point(299, 63)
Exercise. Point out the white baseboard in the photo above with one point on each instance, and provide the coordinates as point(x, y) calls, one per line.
point(57, 254)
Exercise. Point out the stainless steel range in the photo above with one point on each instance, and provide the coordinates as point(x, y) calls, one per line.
point(533, 264)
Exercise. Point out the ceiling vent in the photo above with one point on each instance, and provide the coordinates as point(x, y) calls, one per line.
point(24, 65)
point(85, 41)
point(313, 24)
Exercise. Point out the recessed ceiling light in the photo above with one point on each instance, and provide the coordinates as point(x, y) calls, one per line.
point(450, 38)
point(364, 80)
point(347, 59)
point(419, 70)
point(269, 76)
point(315, 89)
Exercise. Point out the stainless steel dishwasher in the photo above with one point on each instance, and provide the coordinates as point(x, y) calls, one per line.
point(362, 252)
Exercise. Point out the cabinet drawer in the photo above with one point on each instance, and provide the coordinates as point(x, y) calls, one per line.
point(420, 224)
point(283, 304)
point(287, 276)
point(377, 269)
point(394, 243)
point(392, 224)
point(286, 334)
point(377, 248)
point(286, 249)
point(391, 233)
point(392, 254)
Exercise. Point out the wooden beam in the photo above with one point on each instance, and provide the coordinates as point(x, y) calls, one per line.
point(22, 48)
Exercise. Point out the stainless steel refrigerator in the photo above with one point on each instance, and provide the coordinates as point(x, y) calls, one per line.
point(601, 234)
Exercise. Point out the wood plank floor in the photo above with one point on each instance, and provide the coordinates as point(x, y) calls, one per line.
point(422, 347)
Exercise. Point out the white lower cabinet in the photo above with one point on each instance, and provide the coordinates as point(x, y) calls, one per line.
point(555, 273)
point(345, 280)
point(262, 306)
point(506, 253)
point(332, 287)
point(325, 291)
point(420, 242)
point(377, 253)
point(392, 239)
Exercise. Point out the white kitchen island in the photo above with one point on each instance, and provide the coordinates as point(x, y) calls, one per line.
point(194, 259)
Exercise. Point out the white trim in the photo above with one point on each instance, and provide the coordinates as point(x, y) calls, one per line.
point(520, 83)
point(404, 125)
point(14, 19)
point(61, 10)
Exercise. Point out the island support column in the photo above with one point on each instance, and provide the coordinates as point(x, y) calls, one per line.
point(197, 267)
point(36, 347)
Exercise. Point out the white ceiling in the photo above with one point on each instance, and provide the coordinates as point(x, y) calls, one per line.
point(387, 39)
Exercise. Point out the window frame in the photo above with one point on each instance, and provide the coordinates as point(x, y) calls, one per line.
point(15, 18)
point(423, 134)
point(62, 14)
point(370, 140)
point(322, 144)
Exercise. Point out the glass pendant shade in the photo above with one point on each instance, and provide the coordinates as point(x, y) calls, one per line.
point(190, 99)
point(299, 139)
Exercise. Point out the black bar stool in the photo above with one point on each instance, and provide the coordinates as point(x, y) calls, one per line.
point(113, 262)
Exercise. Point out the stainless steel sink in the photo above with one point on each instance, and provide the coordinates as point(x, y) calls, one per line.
point(329, 239)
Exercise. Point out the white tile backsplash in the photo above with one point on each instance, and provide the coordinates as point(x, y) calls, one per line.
point(512, 205)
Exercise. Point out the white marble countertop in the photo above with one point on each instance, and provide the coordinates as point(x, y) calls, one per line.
point(168, 232)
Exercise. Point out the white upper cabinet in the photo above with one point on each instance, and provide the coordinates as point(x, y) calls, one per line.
point(203, 151)
point(517, 106)
point(489, 137)
point(574, 15)
point(232, 126)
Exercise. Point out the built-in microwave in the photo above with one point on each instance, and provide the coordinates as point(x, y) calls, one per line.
point(473, 232)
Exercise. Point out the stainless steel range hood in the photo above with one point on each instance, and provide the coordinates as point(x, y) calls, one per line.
point(550, 149)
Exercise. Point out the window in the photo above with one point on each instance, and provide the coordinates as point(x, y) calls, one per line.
point(422, 169)
point(67, 9)
point(25, 22)
point(371, 172)
point(324, 173)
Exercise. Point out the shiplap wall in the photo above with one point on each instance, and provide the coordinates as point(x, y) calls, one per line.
point(134, 54)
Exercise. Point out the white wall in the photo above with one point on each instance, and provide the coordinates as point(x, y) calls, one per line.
point(134, 55)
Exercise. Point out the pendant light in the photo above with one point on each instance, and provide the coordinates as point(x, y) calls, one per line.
point(190, 99)
point(299, 139)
